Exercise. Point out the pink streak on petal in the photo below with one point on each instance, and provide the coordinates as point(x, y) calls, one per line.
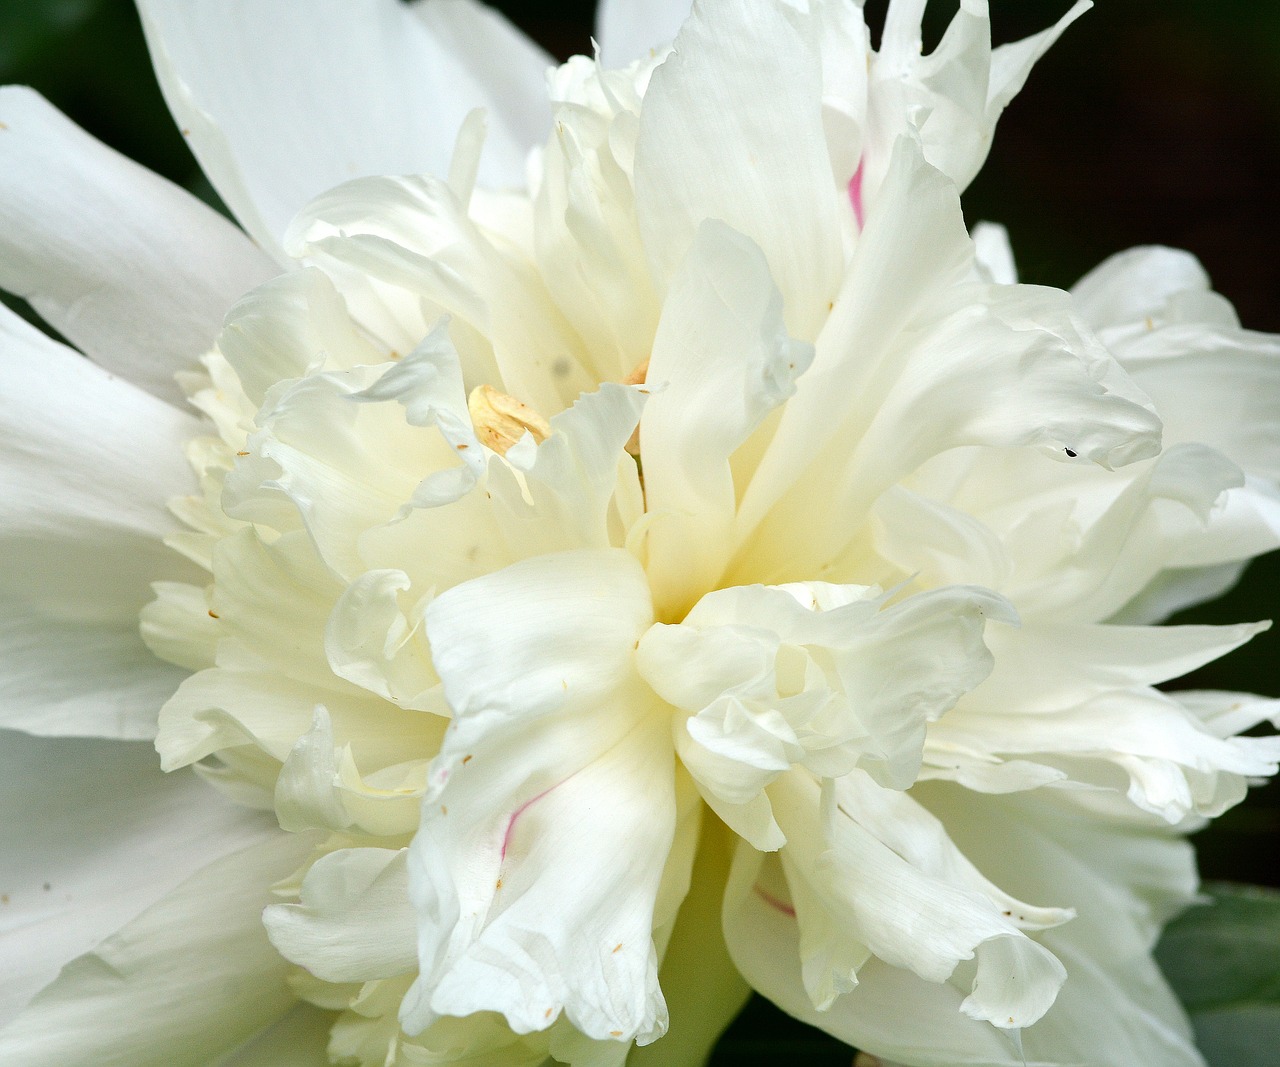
point(511, 823)
point(774, 902)
point(855, 194)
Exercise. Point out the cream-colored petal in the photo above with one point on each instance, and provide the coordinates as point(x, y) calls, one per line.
point(556, 743)
point(732, 129)
point(722, 363)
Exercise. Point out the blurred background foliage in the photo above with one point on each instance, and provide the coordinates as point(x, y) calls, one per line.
point(1151, 121)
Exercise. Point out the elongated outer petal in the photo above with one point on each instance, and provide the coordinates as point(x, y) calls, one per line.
point(282, 101)
point(551, 808)
point(891, 1013)
point(628, 29)
point(193, 976)
point(134, 271)
point(732, 129)
point(94, 834)
point(722, 361)
point(87, 462)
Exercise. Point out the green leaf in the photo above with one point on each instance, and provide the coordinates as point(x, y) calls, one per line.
point(1223, 960)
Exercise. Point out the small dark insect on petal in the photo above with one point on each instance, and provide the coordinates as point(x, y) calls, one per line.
point(1071, 453)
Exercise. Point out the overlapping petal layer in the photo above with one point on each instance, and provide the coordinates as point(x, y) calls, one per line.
point(570, 568)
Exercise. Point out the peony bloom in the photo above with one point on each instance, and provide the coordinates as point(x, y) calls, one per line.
point(648, 552)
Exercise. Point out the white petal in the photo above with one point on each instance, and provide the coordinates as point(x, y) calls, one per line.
point(955, 94)
point(994, 254)
point(134, 271)
point(1044, 664)
point(551, 809)
point(89, 462)
point(1174, 767)
point(732, 129)
point(273, 604)
point(1124, 880)
point(630, 29)
point(722, 361)
point(194, 975)
point(354, 922)
point(93, 834)
point(771, 682)
point(1212, 384)
point(281, 102)
point(891, 1012)
point(961, 364)
point(1134, 285)
point(909, 902)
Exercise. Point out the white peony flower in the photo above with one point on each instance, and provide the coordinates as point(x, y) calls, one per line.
point(649, 552)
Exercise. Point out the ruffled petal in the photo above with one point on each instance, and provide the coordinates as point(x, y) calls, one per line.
point(354, 922)
point(89, 463)
point(892, 1012)
point(954, 95)
point(958, 363)
point(890, 884)
point(405, 251)
point(1100, 723)
point(815, 675)
point(1126, 877)
point(191, 977)
point(280, 102)
point(551, 808)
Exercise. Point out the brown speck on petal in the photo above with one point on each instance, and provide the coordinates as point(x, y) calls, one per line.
point(467, 759)
point(501, 420)
point(615, 1033)
point(617, 947)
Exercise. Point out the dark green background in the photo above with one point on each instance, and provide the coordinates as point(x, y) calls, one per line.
point(1151, 121)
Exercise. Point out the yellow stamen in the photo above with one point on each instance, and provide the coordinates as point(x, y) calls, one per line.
point(501, 420)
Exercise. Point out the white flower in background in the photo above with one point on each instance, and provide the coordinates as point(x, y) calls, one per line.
point(697, 565)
